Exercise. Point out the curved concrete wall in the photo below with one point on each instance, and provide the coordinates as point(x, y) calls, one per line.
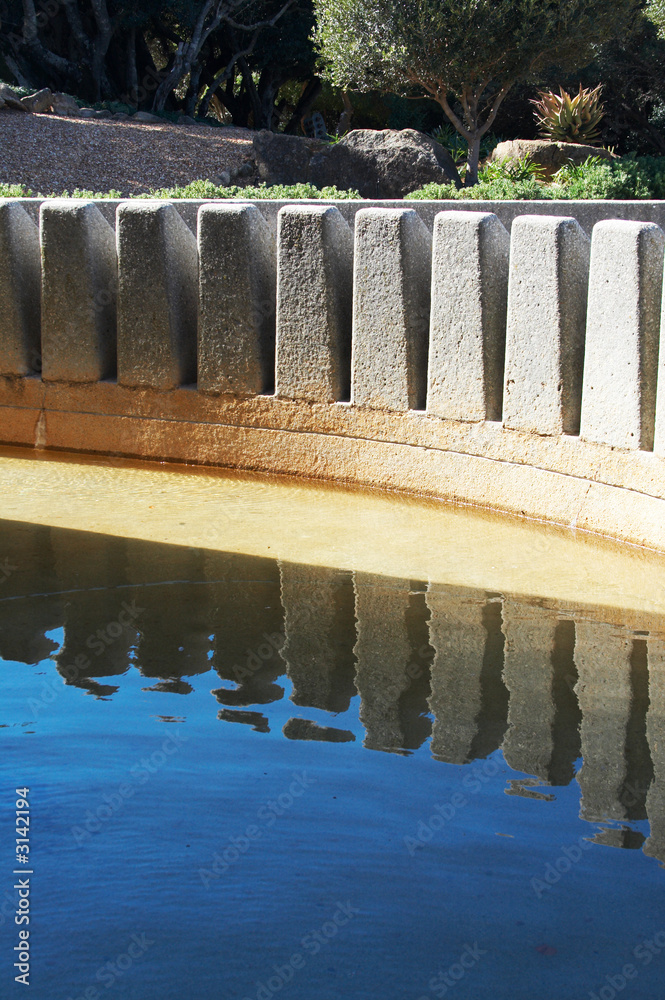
point(395, 345)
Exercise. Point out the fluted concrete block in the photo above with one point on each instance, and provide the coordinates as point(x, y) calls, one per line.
point(79, 292)
point(158, 297)
point(314, 269)
point(620, 367)
point(237, 274)
point(20, 276)
point(391, 306)
point(547, 295)
point(468, 320)
point(659, 435)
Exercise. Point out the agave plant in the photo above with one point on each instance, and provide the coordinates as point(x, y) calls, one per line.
point(563, 118)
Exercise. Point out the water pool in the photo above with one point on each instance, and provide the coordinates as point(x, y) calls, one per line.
point(324, 743)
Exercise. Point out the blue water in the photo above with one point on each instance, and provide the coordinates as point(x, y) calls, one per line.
point(289, 835)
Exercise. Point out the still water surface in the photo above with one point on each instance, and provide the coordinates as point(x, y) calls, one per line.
point(254, 776)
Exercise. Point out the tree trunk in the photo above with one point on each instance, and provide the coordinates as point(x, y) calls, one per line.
point(472, 160)
point(311, 91)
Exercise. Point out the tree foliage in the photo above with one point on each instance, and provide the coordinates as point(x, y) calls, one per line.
point(464, 54)
point(164, 54)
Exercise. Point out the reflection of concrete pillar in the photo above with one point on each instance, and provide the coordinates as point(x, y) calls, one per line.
point(100, 626)
point(173, 626)
point(609, 689)
point(27, 569)
point(248, 629)
point(458, 635)
point(320, 630)
point(389, 668)
point(655, 845)
point(539, 672)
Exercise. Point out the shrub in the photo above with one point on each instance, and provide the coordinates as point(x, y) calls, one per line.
point(563, 118)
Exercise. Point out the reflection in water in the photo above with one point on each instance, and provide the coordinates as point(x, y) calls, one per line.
point(471, 671)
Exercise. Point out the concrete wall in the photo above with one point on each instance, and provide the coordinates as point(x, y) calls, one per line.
point(503, 355)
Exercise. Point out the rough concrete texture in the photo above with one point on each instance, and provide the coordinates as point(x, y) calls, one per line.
point(459, 638)
point(659, 431)
point(314, 268)
point(79, 293)
point(157, 302)
point(237, 274)
point(621, 357)
point(20, 278)
point(468, 319)
point(547, 291)
point(391, 295)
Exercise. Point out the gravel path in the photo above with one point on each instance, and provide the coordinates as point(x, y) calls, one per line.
point(51, 154)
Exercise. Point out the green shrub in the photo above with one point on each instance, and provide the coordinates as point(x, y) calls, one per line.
point(281, 192)
point(15, 191)
point(626, 179)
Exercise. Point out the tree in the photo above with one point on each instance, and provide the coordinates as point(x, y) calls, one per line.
point(464, 54)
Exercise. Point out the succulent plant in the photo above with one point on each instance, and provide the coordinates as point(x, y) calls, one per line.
point(563, 118)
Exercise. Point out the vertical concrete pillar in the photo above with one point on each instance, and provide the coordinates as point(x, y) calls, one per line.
point(314, 268)
point(655, 845)
point(237, 273)
point(320, 630)
point(540, 676)
point(468, 320)
point(79, 291)
point(659, 435)
point(459, 637)
point(391, 307)
point(610, 778)
point(384, 672)
point(621, 356)
point(547, 294)
point(20, 293)
point(157, 302)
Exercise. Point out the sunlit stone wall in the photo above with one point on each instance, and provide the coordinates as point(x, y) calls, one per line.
point(512, 366)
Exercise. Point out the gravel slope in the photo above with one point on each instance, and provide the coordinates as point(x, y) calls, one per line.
point(52, 154)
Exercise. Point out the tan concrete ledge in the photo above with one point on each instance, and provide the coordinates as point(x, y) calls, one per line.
point(560, 479)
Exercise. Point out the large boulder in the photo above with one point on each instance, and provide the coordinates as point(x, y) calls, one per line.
point(11, 98)
point(548, 155)
point(387, 164)
point(63, 104)
point(40, 103)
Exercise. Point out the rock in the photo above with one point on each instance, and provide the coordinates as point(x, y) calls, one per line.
point(283, 159)
point(63, 104)
point(187, 120)
point(548, 155)
point(224, 178)
point(387, 164)
point(2, 104)
point(86, 113)
point(11, 98)
point(145, 118)
point(103, 113)
point(39, 103)
point(120, 116)
point(246, 169)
